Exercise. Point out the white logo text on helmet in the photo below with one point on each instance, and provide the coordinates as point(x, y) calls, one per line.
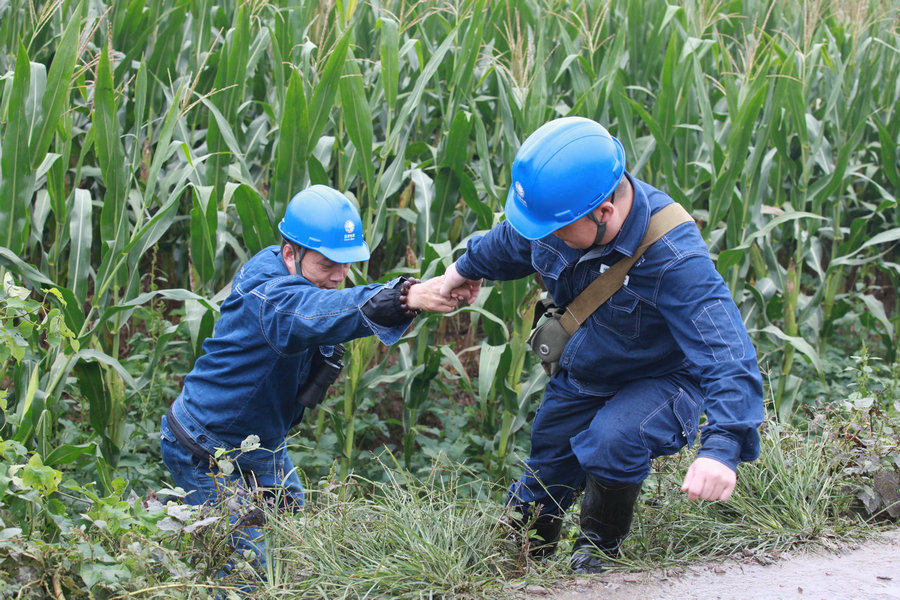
point(349, 227)
point(520, 193)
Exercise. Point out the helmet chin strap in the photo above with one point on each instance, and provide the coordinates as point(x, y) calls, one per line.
point(299, 253)
point(601, 228)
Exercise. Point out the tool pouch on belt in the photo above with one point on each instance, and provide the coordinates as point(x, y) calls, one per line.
point(548, 338)
point(553, 326)
point(184, 438)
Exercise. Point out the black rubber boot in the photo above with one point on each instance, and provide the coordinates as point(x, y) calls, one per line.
point(546, 530)
point(606, 513)
point(543, 533)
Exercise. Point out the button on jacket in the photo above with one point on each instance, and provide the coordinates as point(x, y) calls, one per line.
point(246, 382)
point(673, 314)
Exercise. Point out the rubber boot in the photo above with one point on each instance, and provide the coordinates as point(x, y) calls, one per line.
point(543, 533)
point(606, 513)
point(546, 530)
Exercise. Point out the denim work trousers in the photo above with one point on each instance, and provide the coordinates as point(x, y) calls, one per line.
point(612, 438)
point(193, 475)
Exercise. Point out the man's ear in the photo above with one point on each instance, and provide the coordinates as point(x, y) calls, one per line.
point(287, 254)
point(606, 210)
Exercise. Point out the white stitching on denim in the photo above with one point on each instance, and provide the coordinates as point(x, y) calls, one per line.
point(706, 312)
point(560, 259)
point(630, 316)
point(641, 427)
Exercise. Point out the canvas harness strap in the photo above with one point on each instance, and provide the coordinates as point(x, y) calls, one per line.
point(600, 290)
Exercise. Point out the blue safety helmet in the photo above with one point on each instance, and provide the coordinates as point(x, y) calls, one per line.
point(563, 171)
point(323, 219)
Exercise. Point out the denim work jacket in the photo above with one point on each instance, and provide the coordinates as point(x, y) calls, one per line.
point(246, 382)
point(674, 313)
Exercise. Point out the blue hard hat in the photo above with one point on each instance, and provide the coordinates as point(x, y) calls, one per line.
point(323, 219)
point(561, 172)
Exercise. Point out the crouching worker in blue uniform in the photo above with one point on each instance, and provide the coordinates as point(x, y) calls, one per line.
point(276, 349)
point(631, 382)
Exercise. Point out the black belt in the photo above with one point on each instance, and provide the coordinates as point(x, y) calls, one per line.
point(184, 439)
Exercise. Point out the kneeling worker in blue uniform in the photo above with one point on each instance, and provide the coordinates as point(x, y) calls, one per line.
point(277, 348)
point(631, 382)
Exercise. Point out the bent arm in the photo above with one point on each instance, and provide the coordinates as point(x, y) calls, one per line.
point(501, 254)
point(708, 328)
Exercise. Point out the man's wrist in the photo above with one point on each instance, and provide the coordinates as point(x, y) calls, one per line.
point(404, 300)
point(384, 308)
point(463, 268)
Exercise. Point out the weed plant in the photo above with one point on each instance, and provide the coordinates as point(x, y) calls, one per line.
point(407, 537)
point(792, 495)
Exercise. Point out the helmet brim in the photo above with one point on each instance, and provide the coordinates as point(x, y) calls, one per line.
point(524, 224)
point(350, 254)
point(346, 255)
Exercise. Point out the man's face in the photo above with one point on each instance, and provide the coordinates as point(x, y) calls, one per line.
point(579, 234)
point(322, 272)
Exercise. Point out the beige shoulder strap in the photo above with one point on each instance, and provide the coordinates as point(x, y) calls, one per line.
point(608, 283)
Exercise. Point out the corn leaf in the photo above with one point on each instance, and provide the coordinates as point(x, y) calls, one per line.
point(81, 237)
point(389, 52)
point(326, 88)
point(292, 148)
point(358, 118)
point(255, 224)
point(111, 156)
point(16, 175)
point(56, 94)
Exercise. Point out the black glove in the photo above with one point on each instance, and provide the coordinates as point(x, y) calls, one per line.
point(388, 307)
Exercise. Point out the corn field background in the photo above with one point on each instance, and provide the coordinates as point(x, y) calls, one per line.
point(147, 149)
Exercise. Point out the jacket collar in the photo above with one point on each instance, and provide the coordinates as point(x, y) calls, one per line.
point(633, 229)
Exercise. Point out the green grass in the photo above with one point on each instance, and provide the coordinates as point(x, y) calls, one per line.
point(792, 495)
point(407, 538)
point(439, 536)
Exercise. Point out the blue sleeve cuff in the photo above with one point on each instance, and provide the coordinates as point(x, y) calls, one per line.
point(722, 449)
point(464, 268)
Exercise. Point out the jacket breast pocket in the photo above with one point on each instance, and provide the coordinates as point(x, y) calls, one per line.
point(621, 314)
point(548, 261)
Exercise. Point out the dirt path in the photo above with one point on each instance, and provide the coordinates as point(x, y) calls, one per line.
point(870, 571)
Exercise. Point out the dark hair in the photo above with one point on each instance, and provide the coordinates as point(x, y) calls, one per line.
point(622, 188)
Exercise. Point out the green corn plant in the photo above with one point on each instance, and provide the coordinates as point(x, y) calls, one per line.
point(420, 365)
point(512, 392)
point(292, 148)
point(360, 352)
point(223, 140)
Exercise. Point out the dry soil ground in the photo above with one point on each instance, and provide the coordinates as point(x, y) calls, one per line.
point(868, 571)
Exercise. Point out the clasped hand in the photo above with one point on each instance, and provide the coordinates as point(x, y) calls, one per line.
point(443, 294)
point(427, 295)
point(458, 287)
